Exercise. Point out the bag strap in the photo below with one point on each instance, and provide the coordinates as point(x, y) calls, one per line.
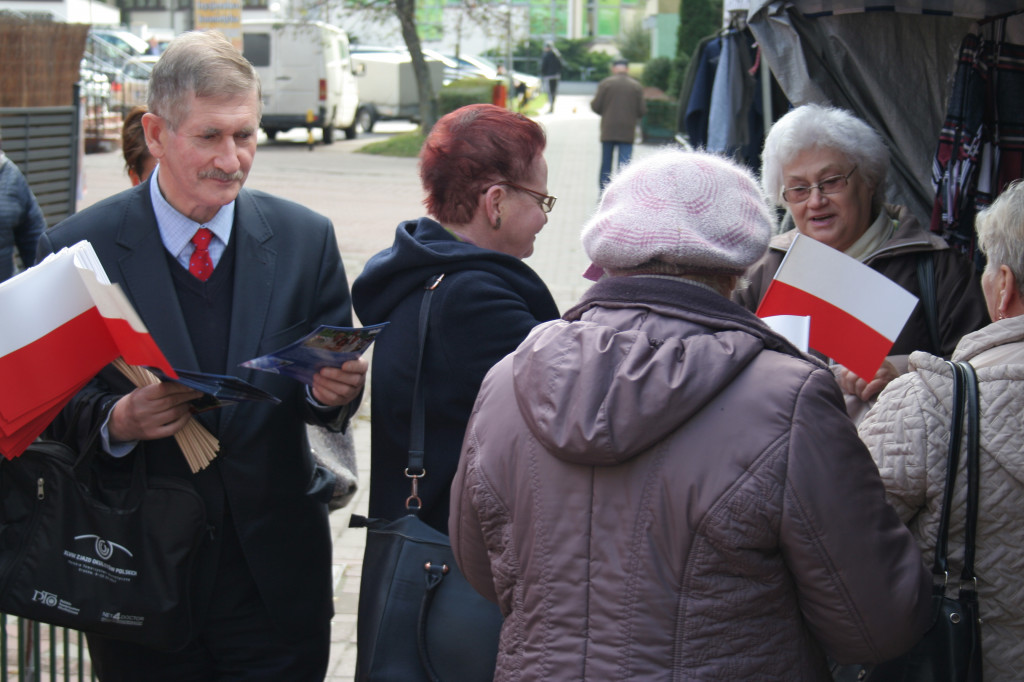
point(941, 565)
point(926, 284)
point(414, 469)
point(967, 577)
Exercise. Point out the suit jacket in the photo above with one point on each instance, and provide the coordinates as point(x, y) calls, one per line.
point(288, 280)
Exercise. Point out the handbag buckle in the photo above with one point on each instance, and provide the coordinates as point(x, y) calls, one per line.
point(413, 502)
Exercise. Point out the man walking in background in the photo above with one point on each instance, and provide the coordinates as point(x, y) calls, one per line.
point(620, 104)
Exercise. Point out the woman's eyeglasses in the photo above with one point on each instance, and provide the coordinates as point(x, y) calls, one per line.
point(832, 185)
point(547, 202)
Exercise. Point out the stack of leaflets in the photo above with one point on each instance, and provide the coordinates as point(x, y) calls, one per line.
point(325, 347)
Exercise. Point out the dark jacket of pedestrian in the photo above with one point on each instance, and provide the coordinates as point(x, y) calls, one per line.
point(21, 220)
point(658, 487)
point(485, 306)
point(620, 103)
point(550, 64)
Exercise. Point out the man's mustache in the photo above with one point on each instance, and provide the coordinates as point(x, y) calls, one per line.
point(215, 174)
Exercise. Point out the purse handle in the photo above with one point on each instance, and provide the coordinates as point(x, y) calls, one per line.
point(414, 467)
point(965, 394)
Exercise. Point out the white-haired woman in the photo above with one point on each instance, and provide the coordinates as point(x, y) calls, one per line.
point(827, 168)
point(908, 427)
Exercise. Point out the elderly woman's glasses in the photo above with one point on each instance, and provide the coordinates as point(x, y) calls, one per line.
point(832, 185)
point(547, 202)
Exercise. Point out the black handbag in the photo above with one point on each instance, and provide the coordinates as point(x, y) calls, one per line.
point(950, 650)
point(411, 591)
point(108, 553)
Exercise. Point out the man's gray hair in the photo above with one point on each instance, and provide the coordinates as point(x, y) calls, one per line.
point(204, 63)
point(1000, 230)
point(813, 126)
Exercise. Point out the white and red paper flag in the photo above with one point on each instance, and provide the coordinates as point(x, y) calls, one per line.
point(63, 322)
point(856, 313)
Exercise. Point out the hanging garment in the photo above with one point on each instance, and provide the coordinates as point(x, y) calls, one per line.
point(981, 146)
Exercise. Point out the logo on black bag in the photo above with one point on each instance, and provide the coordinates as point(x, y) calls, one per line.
point(103, 563)
point(46, 598)
point(104, 548)
point(53, 601)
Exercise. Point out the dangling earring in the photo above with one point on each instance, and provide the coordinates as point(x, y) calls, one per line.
point(497, 224)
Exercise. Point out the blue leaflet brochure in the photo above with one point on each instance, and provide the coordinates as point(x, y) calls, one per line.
point(218, 389)
point(325, 347)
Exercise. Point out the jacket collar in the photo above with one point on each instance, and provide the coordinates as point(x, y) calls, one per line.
point(909, 237)
point(678, 298)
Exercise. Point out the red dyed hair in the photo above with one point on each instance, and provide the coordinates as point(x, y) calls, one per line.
point(471, 148)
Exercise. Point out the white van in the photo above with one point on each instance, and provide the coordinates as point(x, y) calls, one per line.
point(303, 67)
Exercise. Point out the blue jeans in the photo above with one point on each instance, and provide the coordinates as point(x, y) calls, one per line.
point(607, 149)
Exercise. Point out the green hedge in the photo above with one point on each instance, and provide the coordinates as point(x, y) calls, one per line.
point(463, 92)
point(659, 123)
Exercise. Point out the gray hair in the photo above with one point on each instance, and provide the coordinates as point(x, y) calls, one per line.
point(1000, 230)
point(204, 63)
point(813, 126)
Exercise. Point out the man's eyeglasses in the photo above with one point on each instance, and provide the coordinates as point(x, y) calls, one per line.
point(547, 202)
point(832, 185)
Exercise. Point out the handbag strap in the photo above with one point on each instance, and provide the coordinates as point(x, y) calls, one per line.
point(414, 469)
point(967, 577)
point(965, 400)
point(941, 565)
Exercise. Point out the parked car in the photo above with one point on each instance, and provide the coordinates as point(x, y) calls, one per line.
point(307, 76)
point(126, 41)
point(472, 66)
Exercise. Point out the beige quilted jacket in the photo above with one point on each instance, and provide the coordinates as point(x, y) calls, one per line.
point(907, 433)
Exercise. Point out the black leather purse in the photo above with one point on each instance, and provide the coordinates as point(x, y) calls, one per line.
point(109, 553)
point(411, 591)
point(950, 651)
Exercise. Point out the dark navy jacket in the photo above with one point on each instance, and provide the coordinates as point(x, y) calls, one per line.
point(485, 306)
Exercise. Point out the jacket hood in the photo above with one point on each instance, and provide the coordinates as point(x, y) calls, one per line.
point(422, 248)
point(635, 360)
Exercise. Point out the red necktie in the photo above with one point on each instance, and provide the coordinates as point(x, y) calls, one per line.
point(200, 265)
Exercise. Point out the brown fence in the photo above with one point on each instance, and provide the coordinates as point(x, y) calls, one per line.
point(41, 61)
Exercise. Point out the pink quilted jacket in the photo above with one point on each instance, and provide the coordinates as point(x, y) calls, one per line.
point(659, 488)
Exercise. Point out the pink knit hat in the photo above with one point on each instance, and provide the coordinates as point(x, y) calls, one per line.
point(679, 212)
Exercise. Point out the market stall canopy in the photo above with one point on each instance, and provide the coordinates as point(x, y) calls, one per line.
point(891, 64)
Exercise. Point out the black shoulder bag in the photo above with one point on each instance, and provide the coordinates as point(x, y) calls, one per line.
point(419, 620)
point(950, 650)
point(108, 553)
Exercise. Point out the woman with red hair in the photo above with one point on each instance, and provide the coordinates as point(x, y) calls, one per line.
point(485, 178)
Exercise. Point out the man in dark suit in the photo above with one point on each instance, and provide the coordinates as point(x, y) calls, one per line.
point(220, 275)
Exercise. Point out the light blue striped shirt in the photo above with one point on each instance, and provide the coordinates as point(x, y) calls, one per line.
point(176, 230)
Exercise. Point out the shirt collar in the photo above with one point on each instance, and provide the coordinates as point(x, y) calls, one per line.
point(176, 229)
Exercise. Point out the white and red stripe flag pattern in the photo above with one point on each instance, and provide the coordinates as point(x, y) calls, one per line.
point(856, 313)
point(63, 322)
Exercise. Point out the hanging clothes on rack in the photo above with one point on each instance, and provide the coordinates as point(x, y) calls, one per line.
point(722, 102)
point(981, 145)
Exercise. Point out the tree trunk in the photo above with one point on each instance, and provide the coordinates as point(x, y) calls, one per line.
point(406, 11)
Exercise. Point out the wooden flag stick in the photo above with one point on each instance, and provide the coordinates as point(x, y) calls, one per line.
point(197, 444)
